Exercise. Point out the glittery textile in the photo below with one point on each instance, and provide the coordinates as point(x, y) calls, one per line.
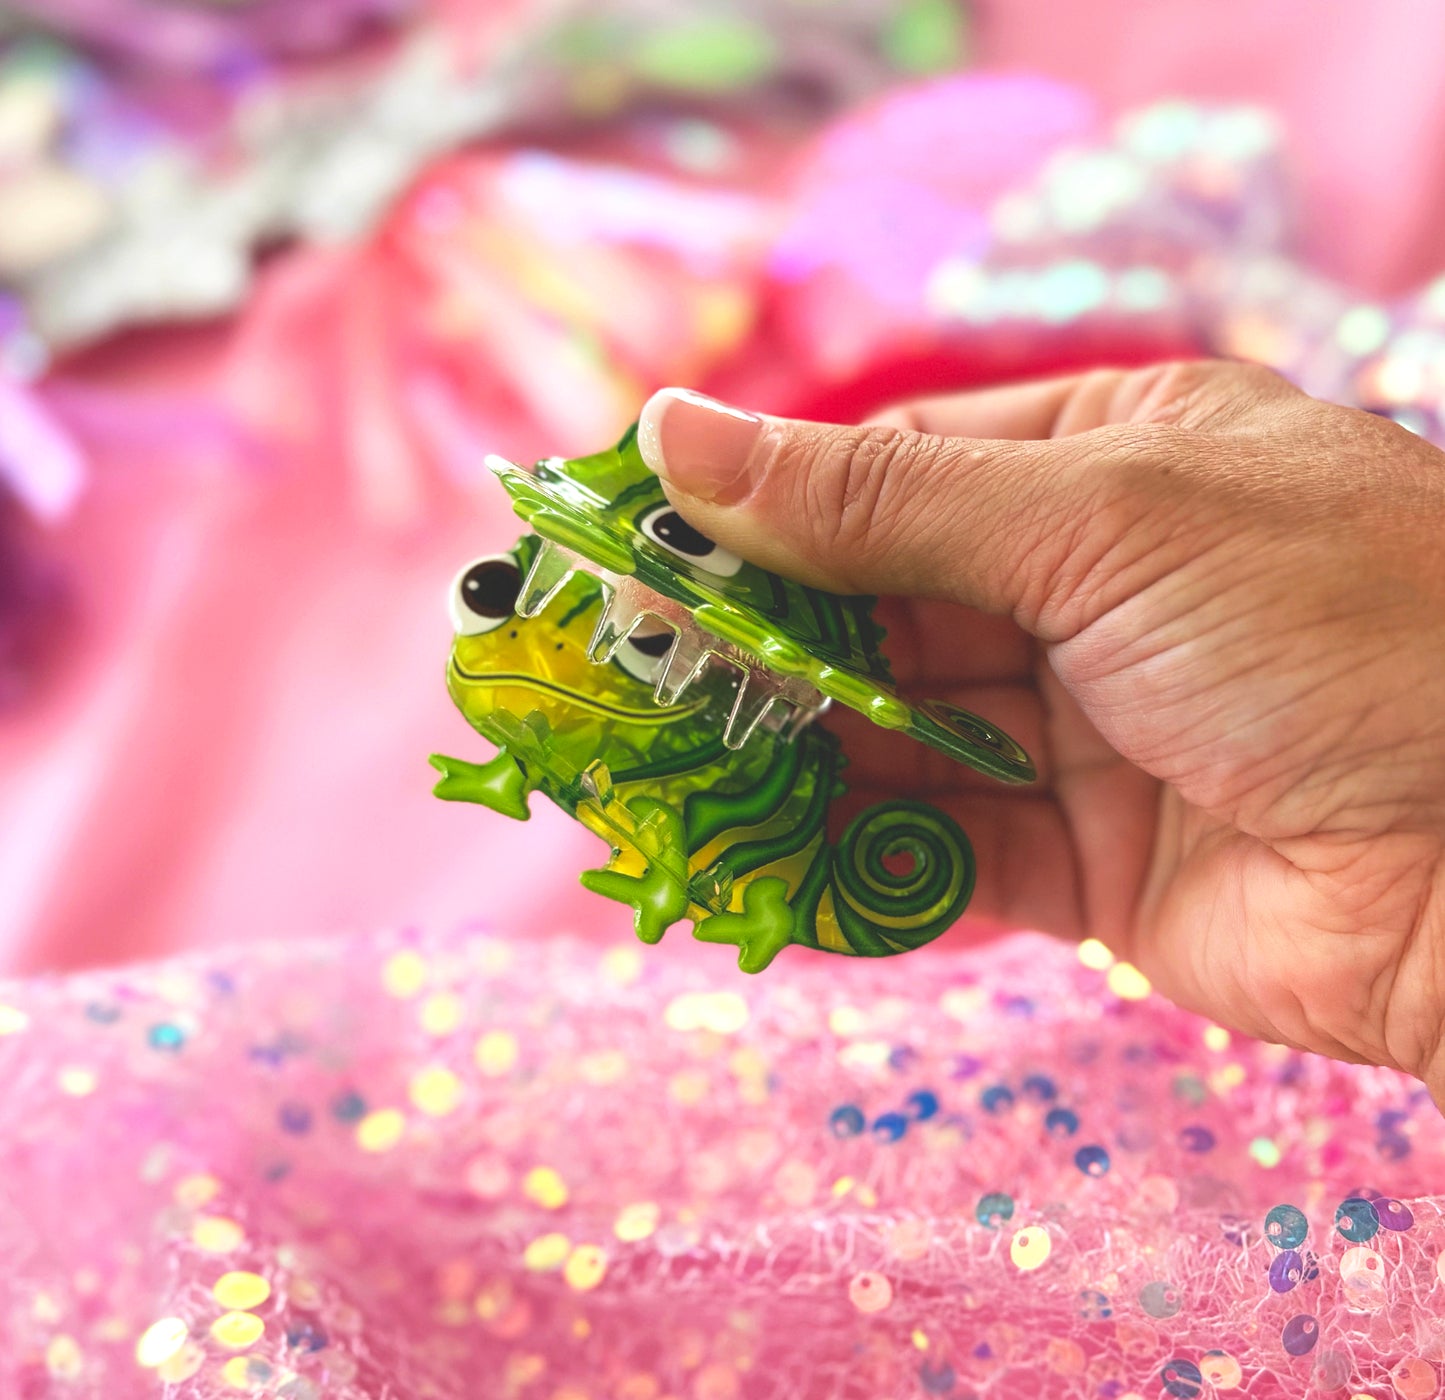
point(467, 1167)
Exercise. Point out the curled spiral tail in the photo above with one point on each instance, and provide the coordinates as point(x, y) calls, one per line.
point(902, 873)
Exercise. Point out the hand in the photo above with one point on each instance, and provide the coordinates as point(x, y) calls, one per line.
point(1211, 607)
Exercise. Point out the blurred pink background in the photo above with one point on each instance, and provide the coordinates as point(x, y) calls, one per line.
point(225, 735)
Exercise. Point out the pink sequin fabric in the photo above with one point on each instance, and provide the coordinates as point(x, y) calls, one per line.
point(465, 1167)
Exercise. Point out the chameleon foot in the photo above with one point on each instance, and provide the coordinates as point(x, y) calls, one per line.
point(760, 930)
point(659, 895)
point(500, 784)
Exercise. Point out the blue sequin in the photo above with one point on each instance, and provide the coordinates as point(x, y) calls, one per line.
point(102, 1013)
point(1286, 1226)
point(1062, 1122)
point(305, 1336)
point(294, 1117)
point(889, 1127)
point(1092, 1161)
point(937, 1377)
point(1041, 1087)
point(1300, 1335)
point(1356, 1220)
point(902, 1058)
point(349, 1107)
point(1393, 1147)
point(1196, 1138)
point(1182, 1378)
point(922, 1105)
point(994, 1210)
point(166, 1035)
point(846, 1121)
point(1190, 1088)
point(996, 1098)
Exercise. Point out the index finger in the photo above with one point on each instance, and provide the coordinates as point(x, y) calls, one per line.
point(1034, 410)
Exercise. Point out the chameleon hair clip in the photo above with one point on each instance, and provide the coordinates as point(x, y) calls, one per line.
point(663, 691)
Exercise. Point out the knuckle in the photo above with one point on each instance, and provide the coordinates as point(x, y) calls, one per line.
point(1167, 393)
point(857, 490)
point(1197, 393)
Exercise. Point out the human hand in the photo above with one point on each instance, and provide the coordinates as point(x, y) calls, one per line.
point(1211, 607)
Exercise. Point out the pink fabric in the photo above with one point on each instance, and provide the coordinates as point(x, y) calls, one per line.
point(475, 1167)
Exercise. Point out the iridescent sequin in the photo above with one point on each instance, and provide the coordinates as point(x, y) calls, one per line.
point(1182, 1378)
point(1300, 1335)
point(1062, 1122)
point(1221, 1370)
point(870, 1292)
point(1393, 1215)
point(161, 1341)
point(994, 1210)
point(1030, 1248)
point(1160, 1299)
point(1286, 1226)
point(1289, 1268)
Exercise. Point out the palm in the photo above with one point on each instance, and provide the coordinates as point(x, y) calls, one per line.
point(1066, 855)
point(1100, 848)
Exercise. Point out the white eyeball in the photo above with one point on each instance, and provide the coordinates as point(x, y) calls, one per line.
point(644, 652)
point(666, 527)
point(484, 595)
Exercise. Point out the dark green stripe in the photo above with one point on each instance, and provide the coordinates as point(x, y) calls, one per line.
point(809, 895)
point(707, 815)
point(701, 757)
point(748, 856)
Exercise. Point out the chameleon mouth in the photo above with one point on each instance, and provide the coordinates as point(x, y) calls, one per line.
point(652, 714)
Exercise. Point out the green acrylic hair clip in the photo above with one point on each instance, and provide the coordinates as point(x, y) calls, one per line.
point(663, 692)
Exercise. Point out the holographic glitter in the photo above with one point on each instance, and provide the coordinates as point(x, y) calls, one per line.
point(573, 1215)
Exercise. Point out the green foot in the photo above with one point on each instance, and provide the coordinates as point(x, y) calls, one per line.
point(659, 895)
point(500, 784)
point(760, 930)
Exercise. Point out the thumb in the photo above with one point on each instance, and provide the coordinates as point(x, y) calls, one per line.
point(879, 509)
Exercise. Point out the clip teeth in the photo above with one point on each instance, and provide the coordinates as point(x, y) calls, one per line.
point(624, 606)
point(615, 624)
point(550, 570)
point(683, 665)
point(750, 704)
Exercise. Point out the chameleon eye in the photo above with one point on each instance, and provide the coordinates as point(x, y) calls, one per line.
point(643, 653)
point(485, 594)
point(666, 527)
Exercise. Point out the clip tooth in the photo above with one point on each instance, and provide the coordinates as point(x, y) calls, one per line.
point(615, 623)
point(550, 570)
point(750, 704)
point(781, 719)
point(688, 656)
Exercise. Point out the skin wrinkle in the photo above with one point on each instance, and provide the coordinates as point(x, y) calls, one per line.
point(1229, 655)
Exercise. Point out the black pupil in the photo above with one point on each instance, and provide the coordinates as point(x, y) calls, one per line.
point(677, 534)
point(490, 589)
point(653, 644)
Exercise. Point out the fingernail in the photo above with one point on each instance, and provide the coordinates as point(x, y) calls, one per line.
point(697, 444)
